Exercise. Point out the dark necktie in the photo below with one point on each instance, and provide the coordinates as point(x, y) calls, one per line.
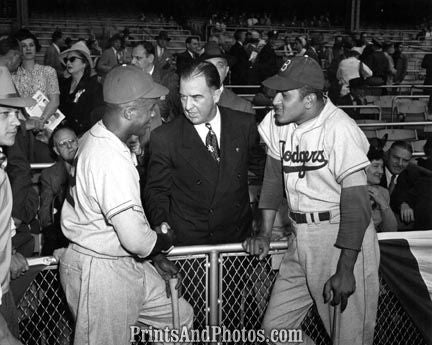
point(392, 184)
point(3, 160)
point(212, 143)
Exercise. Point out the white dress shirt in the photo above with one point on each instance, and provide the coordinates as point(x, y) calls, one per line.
point(215, 124)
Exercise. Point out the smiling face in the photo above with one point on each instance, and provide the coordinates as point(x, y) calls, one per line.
point(8, 125)
point(374, 171)
point(198, 99)
point(28, 47)
point(398, 159)
point(142, 111)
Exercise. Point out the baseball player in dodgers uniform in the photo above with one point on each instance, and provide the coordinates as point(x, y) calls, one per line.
point(320, 153)
point(105, 272)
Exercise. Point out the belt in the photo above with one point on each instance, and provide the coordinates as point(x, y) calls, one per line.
point(300, 218)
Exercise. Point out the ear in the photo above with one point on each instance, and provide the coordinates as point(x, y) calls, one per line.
point(216, 94)
point(56, 150)
point(309, 100)
point(151, 58)
point(128, 113)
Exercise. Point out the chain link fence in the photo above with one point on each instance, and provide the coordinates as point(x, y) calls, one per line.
point(244, 289)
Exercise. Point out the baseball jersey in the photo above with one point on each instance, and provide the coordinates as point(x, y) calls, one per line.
point(104, 183)
point(316, 156)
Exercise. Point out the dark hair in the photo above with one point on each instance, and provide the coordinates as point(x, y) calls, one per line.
point(375, 154)
point(57, 34)
point(237, 34)
point(307, 90)
point(7, 44)
point(427, 148)
point(205, 68)
point(114, 38)
point(403, 145)
point(148, 46)
point(23, 34)
point(190, 38)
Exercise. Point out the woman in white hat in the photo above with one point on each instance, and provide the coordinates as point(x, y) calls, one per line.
point(81, 93)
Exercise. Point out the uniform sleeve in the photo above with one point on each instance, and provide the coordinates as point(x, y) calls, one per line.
point(270, 134)
point(346, 147)
point(52, 84)
point(116, 186)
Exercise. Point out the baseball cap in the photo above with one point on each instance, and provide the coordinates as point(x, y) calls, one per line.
point(127, 83)
point(296, 73)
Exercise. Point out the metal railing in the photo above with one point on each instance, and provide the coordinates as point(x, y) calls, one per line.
point(224, 285)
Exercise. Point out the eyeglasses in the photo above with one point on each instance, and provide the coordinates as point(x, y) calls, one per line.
point(67, 142)
point(71, 59)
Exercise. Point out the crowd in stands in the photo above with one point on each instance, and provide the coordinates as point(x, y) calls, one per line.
point(72, 78)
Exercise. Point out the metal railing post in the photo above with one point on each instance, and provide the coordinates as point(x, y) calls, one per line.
point(214, 290)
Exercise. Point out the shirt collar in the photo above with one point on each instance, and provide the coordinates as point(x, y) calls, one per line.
point(152, 70)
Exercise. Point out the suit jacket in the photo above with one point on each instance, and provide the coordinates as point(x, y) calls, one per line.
point(106, 62)
point(53, 184)
point(240, 68)
point(161, 61)
point(171, 105)
point(183, 60)
point(203, 201)
point(52, 58)
point(229, 99)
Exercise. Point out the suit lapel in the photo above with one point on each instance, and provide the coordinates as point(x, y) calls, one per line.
point(231, 151)
point(195, 153)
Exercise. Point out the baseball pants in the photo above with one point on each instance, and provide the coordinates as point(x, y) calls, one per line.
point(309, 262)
point(108, 295)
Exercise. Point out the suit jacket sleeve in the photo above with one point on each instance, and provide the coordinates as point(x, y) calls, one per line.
point(159, 180)
point(257, 155)
point(403, 189)
point(47, 197)
point(25, 197)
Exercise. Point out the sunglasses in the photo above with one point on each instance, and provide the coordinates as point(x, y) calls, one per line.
point(72, 59)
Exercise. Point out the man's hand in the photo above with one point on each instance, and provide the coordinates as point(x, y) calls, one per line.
point(406, 213)
point(34, 123)
point(165, 229)
point(339, 287)
point(18, 265)
point(167, 269)
point(342, 284)
point(258, 245)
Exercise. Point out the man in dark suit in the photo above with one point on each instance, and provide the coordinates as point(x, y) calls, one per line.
point(228, 99)
point(198, 171)
point(267, 63)
point(143, 56)
point(111, 57)
point(356, 96)
point(189, 56)
point(163, 57)
point(241, 65)
point(52, 55)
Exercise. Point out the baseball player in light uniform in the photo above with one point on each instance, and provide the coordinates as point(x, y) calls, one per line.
point(320, 153)
point(105, 272)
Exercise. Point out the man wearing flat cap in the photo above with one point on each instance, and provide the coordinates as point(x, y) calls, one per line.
point(228, 99)
point(356, 96)
point(319, 154)
point(9, 110)
point(106, 269)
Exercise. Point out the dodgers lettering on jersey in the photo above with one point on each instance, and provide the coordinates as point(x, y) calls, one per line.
point(316, 156)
